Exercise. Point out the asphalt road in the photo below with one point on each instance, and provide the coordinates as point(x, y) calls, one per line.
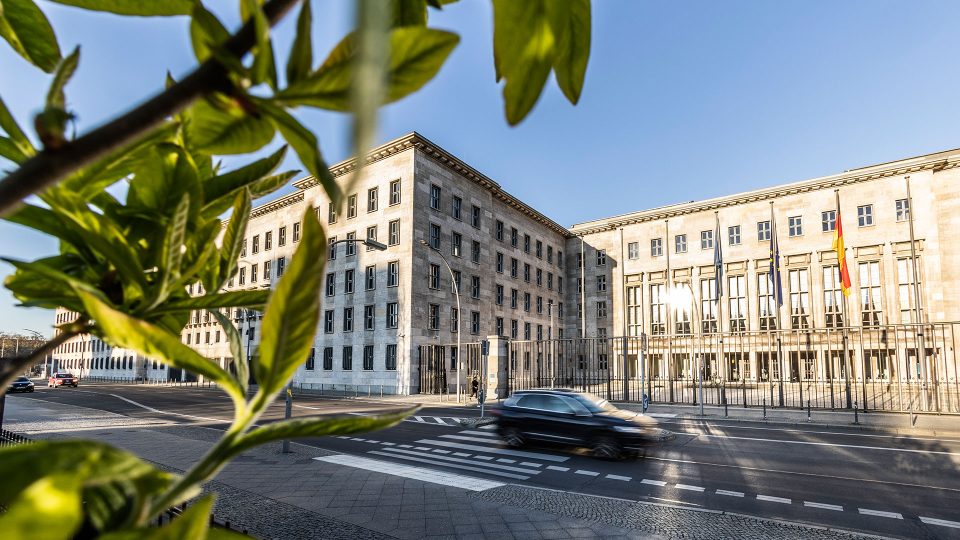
point(869, 482)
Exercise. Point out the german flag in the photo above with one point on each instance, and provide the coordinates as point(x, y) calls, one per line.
point(841, 255)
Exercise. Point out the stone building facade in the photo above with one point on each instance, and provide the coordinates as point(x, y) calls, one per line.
point(523, 276)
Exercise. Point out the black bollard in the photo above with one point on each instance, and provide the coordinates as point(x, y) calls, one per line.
point(856, 415)
point(764, 408)
point(726, 413)
point(808, 410)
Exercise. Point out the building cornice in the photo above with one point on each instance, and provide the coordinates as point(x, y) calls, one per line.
point(277, 204)
point(933, 162)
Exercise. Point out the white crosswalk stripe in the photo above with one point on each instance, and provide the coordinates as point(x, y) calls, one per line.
point(494, 450)
point(432, 461)
point(464, 461)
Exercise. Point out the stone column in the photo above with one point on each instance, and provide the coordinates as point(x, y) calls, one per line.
point(497, 360)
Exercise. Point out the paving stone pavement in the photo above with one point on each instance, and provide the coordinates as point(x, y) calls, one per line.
point(275, 495)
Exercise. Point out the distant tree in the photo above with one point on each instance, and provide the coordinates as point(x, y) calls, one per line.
point(124, 266)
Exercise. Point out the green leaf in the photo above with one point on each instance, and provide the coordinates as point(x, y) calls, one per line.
point(416, 55)
point(255, 299)
point(174, 246)
point(236, 348)
point(162, 174)
point(9, 125)
point(49, 508)
point(10, 150)
point(233, 131)
point(226, 185)
point(305, 144)
point(291, 318)
point(300, 61)
point(266, 186)
point(524, 48)
point(65, 69)
point(233, 236)
point(318, 426)
point(28, 31)
point(122, 330)
point(139, 8)
point(194, 523)
point(409, 13)
point(263, 51)
point(206, 32)
point(573, 50)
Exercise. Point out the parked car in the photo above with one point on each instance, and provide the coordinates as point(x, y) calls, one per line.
point(63, 379)
point(22, 384)
point(580, 419)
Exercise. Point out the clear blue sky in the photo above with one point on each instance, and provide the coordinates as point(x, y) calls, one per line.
point(683, 100)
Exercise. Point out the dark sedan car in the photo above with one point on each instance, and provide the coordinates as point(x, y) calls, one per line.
point(22, 384)
point(574, 418)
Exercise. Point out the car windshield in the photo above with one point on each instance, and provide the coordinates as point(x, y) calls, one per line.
point(64, 376)
point(594, 403)
point(22, 379)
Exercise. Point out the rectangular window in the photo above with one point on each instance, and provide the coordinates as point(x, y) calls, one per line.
point(268, 240)
point(266, 270)
point(347, 360)
point(767, 302)
point(368, 357)
point(331, 214)
point(601, 283)
point(708, 305)
point(550, 281)
point(514, 264)
point(394, 192)
point(539, 277)
point(253, 273)
point(828, 221)
point(633, 250)
point(390, 359)
point(903, 209)
point(371, 235)
point(348, 281)
point(296, 231)
point(474, 322)
point(680, 243)
point(369, 317)
point(332, 248)
point(514, 236)
point(352, 206)
point(683, 313)
point(348, 319)
point(393, 315)
point(433, 278)
point(539, 304)
point(475, 287)
point(526, 335)
point(328, 321)
point(737, 302)
point(601, 257)
point(870, 298)
point(865, 215)
point(456, 282)
point(373, 198)
point(352, 244)
point(435, 196)
point(434, 236)
point(499, 326)
point(763, 231)
point(905, 290)
point(456, 244)
point(394, 234)
point(393, 273)
point(513, 298)
point(243, 248)
point(499, 230)
point(475, 217)
point(550, 255)
point(799, 298)
point(281, 263)
point(795, 224)
point(526, 272)
point(832, 297)
point(602, 309)
point(454, 319)
point(526, 243)
point(434, 317)
point(514, 329)
point(310, 360)
point(242, 277)
point(282, 236)
point(656, 247)
point(706, 239)
point(370, 282)
point(733, 235)
point(634, 310)
point(475, 252)
point(539, 249)
point(499, 262)
point(256, 244)
point(328, 358)
point(498, 296)
point(526, 302)
point(456, 204)
point(560, 284)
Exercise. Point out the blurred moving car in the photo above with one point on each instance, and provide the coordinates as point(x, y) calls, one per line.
point(63, 379)
point(21, 384)
point(581, 419)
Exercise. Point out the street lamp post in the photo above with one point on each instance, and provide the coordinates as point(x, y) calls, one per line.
point(456, 292)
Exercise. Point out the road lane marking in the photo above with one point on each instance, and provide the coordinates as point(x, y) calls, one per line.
point(461, 454)
point(528, 464)
point(485, 457)
point(504, 460)
point(618, 477)
point(440, 421)
point(501, 451)
point(471, 439)
point(418, 418)
point(393, 451)
point(880, 513)
point(416, 473)
point(660, 483)
point(768, 498)
point(943, 522)
point(431, 461)
point(405, 446)
point(586, 473)
point(808, 431)
point(371, 441)
point(439, 451)
point(814, 475)
point(555, 468)
point(421, 447)
point(475, 432)
point(824, 506)
point(729, 493)
point(834, 445)
point(358, 440)
point(689, 487)
point(342, 437)
point(385, 443)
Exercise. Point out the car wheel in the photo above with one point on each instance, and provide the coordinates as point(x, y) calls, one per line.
point(605, 448)
point(513, 437)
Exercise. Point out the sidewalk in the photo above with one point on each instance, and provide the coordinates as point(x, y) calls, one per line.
point(274, 495)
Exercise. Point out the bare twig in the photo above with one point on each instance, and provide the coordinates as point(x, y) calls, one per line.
point(11, 369)
point(50, 166)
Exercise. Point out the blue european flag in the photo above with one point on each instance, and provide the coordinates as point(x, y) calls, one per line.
point(775, 262)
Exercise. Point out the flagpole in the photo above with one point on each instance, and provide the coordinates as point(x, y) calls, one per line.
point(721, 361)
point(668, 324)
point(844, 307)
point(922, 345)
point(778, 296)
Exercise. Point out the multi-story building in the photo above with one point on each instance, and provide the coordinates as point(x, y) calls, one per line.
point(651, 273)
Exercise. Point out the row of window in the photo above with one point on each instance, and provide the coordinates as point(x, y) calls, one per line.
point(796, 297)
point(280, 264)
point(795, 228)
point(373, 202)
point(91, 345)
point(369, 278)
point(346, 358)
point(268, 240)
point(391, 319)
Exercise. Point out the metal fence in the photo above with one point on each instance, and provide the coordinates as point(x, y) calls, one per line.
point(437, 365)
point(10, 438)
point(884, 368)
